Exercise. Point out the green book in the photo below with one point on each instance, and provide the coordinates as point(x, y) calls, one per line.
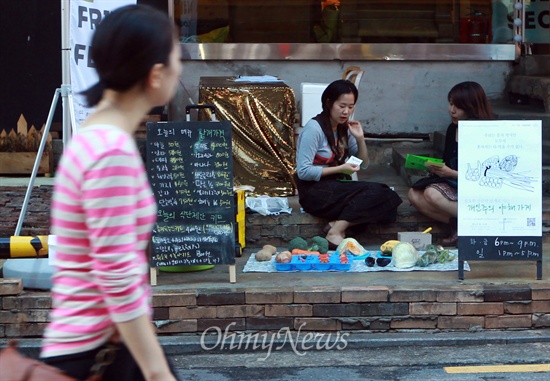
point(419, 162)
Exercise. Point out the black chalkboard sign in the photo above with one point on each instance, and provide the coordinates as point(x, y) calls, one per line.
point(499, 248)
point(190, 169)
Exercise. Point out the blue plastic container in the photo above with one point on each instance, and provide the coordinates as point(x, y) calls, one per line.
point(304, 262)
point(337, 266)
point(283, 266)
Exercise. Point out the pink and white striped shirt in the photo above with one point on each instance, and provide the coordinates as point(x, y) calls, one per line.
point(103, 211)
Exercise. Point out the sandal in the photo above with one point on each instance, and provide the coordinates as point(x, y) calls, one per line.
point(450, 241)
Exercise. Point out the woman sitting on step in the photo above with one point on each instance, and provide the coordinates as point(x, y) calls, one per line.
point(323, 174)
point(439, 200)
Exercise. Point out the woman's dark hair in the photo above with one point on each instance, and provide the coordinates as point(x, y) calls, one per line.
point(126, 45)
point(470, 97)
point(334, 91)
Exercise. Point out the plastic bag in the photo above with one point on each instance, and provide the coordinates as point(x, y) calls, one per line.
point(268, 206)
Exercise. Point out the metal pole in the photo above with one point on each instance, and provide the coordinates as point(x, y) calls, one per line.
point(37, 162)
point(65, 69)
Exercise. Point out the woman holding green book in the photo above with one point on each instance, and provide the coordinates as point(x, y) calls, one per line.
point(437, 196)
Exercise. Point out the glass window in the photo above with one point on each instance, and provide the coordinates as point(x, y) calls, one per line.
point(350, 21)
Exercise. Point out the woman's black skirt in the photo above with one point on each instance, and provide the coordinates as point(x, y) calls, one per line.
point(357, 202)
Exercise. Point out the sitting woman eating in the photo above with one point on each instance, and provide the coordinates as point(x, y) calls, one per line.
point(325, 188)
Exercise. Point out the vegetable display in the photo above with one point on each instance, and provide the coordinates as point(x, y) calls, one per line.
point(283, 257)
point(316, 244)
point(387, 247)
point(350, 246)
point(435, 254)
point(266, 253)
point(404, 255)
point(297, 243)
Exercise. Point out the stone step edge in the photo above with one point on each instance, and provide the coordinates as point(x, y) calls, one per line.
point(480, 307)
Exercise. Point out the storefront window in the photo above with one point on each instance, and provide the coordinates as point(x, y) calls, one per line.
point(355, 21)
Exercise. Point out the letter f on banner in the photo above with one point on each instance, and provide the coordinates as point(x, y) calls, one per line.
point(85, 16)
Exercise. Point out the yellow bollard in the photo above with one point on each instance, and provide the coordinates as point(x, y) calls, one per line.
point(24, 247)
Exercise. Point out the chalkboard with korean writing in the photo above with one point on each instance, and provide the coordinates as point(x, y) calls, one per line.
point(500, 248)
point(191, 172)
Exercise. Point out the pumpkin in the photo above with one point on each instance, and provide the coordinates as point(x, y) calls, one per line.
point(350, 246)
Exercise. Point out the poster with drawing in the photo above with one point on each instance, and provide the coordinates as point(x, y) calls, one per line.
point(500, 178)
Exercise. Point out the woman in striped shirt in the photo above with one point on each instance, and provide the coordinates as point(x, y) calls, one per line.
point(103, 208)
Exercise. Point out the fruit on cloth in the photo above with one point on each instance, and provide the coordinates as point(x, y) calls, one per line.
point(370, 261)
point(263, 255)
point(270, 248)
point(383, 262)
point(404, 255)
point(388, 246)
point(350, 246)
point(283, 257)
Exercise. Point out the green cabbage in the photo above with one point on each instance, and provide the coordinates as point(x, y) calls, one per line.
point(404, 255)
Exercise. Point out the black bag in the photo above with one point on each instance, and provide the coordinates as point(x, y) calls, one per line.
point(425, 181)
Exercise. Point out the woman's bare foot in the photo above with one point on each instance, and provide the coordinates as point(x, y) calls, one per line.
point(334, 240)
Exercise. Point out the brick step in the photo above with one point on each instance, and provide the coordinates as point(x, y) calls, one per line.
point(337, 304)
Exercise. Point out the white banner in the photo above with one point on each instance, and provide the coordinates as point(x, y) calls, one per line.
point(85, 16)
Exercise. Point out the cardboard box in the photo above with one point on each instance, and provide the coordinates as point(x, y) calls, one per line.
point(417, 239)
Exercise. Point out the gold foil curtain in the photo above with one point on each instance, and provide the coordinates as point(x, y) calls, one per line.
point(262, 115)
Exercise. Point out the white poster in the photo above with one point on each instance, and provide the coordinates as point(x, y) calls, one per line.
point(500, 178)
point(85, 16)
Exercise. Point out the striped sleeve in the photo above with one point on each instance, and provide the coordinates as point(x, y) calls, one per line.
point(110, 196)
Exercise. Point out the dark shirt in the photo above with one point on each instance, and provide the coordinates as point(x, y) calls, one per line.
point(450, 153)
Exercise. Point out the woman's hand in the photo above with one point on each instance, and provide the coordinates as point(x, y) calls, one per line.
point(356, 130)
point(348, 168)
point(443, 171)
